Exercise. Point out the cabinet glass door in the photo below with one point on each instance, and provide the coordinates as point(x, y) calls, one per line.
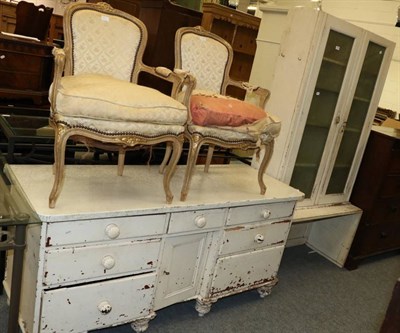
point(322, 109)
point(356, 119)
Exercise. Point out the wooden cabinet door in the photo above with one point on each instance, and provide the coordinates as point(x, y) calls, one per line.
point(181, 268)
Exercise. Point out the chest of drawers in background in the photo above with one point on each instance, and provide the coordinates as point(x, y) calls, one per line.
point(377, 193)
point(26, 68)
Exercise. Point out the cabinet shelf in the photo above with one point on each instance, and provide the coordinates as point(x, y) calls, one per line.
point(335, 62)
point(362, 99)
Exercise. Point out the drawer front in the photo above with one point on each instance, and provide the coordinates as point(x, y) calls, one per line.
point(97, 305)
point(196, 220)
point(246, 238)
point(66, 265)
point(246, 271)
point(376, 239)
point(391, 186)
point(76, 232)
point(20, 81)
point(385, 211)
point(17, 62)
point(259, 213)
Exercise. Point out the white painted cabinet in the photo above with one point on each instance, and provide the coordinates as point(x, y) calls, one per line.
point(326, 84)
point(326, 76)
point(92, 264)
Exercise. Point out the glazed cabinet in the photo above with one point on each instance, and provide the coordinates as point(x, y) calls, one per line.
point(326, 86)
point(326, 77)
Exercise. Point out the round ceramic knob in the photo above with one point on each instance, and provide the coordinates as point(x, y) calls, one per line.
point(266, 213)
point(2, 56)
point(108, 262)
point(104, 307)
point(200, 221)
point(112, 231)
point(259, 238)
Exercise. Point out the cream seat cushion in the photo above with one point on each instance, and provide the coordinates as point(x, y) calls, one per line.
point(94, 100)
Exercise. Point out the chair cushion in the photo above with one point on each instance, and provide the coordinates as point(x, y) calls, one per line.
point(218, 110)
point(101, 97)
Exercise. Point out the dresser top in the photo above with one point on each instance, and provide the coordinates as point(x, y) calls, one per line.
point(95, 191)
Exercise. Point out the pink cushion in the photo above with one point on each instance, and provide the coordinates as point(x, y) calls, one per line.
point(222, 111)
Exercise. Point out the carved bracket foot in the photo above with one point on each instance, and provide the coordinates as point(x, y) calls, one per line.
point(142, 324)
point(203, 307)
point(265, 290)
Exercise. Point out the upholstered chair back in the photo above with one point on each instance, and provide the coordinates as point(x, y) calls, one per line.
point(207, 58)
point(98, 47)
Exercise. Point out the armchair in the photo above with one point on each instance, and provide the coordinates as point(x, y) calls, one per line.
point(95, 98)
point(214, 118)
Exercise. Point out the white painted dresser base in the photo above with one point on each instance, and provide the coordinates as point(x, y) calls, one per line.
point(113, 252)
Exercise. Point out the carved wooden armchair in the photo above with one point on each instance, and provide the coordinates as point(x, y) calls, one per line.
point(95, 98)
point(216, 119)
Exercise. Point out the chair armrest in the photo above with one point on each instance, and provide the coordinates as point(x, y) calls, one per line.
point(59, 64)
point(261, 94)
point(182, 82)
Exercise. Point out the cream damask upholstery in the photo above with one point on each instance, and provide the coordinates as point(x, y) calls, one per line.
point(95, 98)
point(208, 58)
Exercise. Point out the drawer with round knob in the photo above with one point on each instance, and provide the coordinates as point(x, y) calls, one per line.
point(97, 305)
point(260, 213)
point(63, 233)
point(196, 220)
point(245, 238)
point(65, 265)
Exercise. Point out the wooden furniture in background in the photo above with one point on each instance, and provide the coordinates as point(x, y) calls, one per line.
point(238, 29)
point(377, 193)
point(8, 21)
point(26, 68)
point(32, 20)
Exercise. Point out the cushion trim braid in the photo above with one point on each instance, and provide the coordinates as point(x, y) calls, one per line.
point(120, 128)
point(221, 134)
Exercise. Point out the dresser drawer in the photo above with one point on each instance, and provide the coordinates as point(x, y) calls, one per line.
point(76, 232)
point(97, 305)
point(196, 220)
point(246, 238)
point(66, 265)
point(17, 62)
point(391, 186)
point(376, 239)
point(385, 211)
point(259, 213)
